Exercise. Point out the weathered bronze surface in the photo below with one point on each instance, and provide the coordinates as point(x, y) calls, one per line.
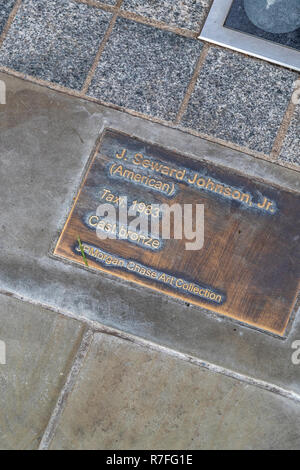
point(248, 268)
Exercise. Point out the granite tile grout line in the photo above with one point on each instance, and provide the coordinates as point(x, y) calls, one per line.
point(9, 21)
point(158, 24)
point(192, 83)
point(92, 71)
point(96, 4)
point(273, 156)
point(116, 9)
point(67, 389)
point(189, 33)
point(170, 124)
point(283, 130)
point(133, 17)
point(284, 127)
point(143, 19)
point(94, 327)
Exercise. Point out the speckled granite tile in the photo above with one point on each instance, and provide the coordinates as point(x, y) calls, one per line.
point(145, 69)
point(6, 7)
point(240, 100)
point(55, 40)
point(290, 152)
point(188, 14)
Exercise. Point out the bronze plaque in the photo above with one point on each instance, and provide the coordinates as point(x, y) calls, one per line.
point(248, 266)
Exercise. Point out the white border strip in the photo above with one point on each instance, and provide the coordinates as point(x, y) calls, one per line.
point(214, 32)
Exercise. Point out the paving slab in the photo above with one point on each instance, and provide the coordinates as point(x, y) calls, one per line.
point(127, 397)
point(240, 99)
point(40, 347)
point(187, 14)
point(46, 142)
point(145, 69)
point(290, 152)
point(48, 40)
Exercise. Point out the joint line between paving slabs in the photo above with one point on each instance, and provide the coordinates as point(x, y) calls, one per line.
point(67, 389)
point(129, 15)
point(11, 18)
point(283, 130)
point(101, 49)
point(192, 83)
point(94, 327)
